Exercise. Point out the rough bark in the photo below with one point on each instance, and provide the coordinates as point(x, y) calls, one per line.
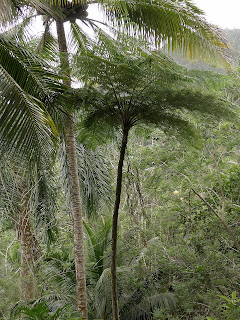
point(74, 186)
point(115, 310)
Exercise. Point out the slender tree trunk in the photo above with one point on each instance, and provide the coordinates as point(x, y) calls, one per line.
point(115, 225)
point(30, 251)
point(74, 186)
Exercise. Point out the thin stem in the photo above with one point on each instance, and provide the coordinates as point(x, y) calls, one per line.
point(207, 204)
point(115, 225)
point(226, 226)
point(219, 183)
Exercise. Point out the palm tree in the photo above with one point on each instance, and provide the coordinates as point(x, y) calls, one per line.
point(28, 202)
point(129, 91)
point(28, 92)
point(180, 25)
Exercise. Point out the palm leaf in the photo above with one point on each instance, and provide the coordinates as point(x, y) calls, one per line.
point(28, 90)
point(44, 206)
point(145, 308)
point(98, 245)
point(180, 25)
point(94, 181)
point(24, 124)
point(10, 10)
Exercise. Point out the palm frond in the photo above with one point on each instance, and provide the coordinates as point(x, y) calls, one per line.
point(24, 124)
point(28, 92)
point(10, 10)
point(102, 297)
point(44, 207)
point(41, 193)
point(98, 245)
point(181, 25)
point(145, 308)
point(95, 179)
point(61, 269)
point(11, 174)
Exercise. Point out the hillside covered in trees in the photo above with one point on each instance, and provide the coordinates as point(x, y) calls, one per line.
point(119, 162)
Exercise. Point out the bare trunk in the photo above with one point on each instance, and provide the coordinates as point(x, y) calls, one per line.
point(74, 187)
point(115, 225)
point(27, 251)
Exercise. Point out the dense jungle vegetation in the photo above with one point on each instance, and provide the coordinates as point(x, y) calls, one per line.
point(119, 163)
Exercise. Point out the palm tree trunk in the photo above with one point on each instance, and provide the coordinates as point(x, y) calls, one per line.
point(115, 310)
point(74, 186)
point(27, 251)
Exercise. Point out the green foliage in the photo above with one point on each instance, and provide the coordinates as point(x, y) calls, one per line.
point(41, 311)
point(163, 21)
point(94, 176)
point(152, 89)
point(230, 309)
point(174, 258)
point(28, 91)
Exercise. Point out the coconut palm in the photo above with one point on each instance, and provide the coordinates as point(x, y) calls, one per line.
point(28, 91)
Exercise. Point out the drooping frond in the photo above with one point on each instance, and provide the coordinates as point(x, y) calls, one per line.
point(10, 10)
point(44, 206)
point(41, 193)
point(94, 178)
point(179, 25)
point(59, 269)
point(47, 43)
point(125, 90)
point(145, 308)
point(24, 124)
point(28, 91)
point(98, 248)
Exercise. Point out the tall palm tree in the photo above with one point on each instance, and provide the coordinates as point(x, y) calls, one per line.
point(180, 25)
point(28, 91)
point(130, 91)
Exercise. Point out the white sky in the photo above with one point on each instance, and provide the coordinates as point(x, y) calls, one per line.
point(224, 13)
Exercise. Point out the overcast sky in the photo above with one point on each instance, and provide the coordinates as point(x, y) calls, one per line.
point(224, 13)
